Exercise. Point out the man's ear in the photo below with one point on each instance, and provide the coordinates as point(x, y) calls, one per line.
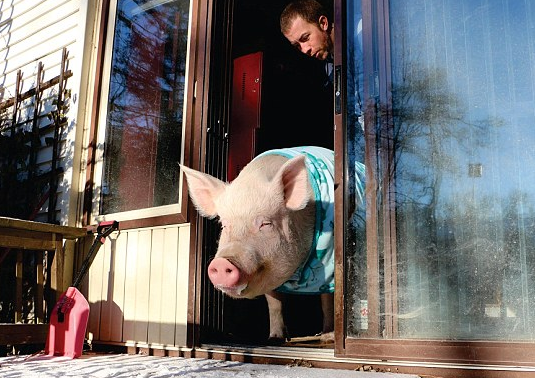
point(324, 23)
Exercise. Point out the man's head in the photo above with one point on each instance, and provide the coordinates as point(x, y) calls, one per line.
point(304, 23)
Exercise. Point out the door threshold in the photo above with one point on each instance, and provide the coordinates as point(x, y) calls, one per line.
point(267, 351)
point(281, 355)
point(309, 342)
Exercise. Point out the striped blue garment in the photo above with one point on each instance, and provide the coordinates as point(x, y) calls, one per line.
point(316, 274)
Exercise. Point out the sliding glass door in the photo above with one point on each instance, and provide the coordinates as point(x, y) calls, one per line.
point(443, 248)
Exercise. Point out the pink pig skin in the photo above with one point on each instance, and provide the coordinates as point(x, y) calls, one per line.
point(267, 218)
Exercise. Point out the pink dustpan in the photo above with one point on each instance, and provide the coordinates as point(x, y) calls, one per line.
point(68, 324)
point(68, 321)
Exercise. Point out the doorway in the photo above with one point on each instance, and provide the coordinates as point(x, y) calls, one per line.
point(295, 108)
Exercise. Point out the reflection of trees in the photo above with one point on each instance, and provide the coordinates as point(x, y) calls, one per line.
point(486, 263)
point(430, 131)
point(355, 213)
point(464, 250)
point(518, 223)
point(426, 117)
point(472, 254)
point(145, 100)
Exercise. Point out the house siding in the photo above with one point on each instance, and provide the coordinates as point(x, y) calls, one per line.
point(33, 32)
point(137, 285)
point(137, 288)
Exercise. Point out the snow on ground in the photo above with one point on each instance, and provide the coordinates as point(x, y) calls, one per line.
point(124, 365)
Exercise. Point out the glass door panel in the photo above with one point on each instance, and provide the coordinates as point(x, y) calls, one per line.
point(450, 215)
point(144, 117)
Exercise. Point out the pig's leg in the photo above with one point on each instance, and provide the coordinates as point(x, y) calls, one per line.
point(277, 329)
point(327, 308)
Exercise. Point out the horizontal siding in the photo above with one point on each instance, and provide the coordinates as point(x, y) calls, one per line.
point(138, 283)
point(26, 54)
point(31, 27)
point(138, 288)
point(34, 31)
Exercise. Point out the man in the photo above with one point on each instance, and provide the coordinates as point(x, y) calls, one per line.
point(306, 26)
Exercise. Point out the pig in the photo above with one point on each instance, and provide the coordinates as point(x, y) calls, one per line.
point(276, 235)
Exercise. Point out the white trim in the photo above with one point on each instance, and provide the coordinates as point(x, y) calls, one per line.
point(101, 132)
point(141, 213)
point(103, 111)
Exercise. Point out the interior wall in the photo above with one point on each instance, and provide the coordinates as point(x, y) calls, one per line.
point(296, 102)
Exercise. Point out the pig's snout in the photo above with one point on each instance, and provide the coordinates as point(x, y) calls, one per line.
point(226, 276)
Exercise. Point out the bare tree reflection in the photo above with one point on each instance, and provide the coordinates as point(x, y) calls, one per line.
point(146, 95)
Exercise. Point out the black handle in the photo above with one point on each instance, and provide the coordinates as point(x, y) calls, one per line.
point(104, 229)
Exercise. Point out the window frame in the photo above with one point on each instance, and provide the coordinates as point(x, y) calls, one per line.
point(155, 216)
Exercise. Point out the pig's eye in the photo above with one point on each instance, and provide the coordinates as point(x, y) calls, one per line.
point(266, 225)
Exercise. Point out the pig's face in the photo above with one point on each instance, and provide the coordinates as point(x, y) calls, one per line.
point(267, 222)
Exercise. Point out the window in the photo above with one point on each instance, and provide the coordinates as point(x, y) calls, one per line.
point(145, 108)
point(447, 248)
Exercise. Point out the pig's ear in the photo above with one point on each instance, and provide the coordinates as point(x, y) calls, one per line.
point(203, 190)
point(293, 176)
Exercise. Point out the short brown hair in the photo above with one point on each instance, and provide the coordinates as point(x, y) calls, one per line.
point(308, 10)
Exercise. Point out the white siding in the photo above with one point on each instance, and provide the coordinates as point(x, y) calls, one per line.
point(137, 285)
point(33, 31)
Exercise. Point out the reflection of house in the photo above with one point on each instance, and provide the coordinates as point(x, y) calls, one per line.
point(151, 87)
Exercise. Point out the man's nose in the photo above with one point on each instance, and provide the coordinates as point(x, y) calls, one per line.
point(305, 48)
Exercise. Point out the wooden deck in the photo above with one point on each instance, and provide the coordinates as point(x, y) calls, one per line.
point(21, 236)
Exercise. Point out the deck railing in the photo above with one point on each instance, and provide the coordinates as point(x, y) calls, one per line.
point(41, 247)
